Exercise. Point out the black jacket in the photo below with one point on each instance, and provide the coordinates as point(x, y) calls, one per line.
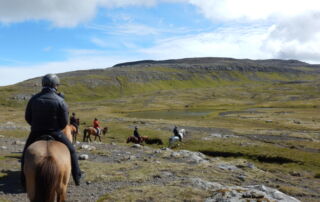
point(175, 132)
point(136, 133)
point(73, 121)
point(47, 111)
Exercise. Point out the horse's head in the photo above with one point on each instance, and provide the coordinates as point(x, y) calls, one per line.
point(105, 130)
point(68, 132)
point(182, 132)
point(159, 141)
point(73, 129)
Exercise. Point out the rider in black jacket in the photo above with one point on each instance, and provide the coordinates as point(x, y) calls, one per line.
point(136, 134)
point(74, 121)
point(176, 133)
point(47, 113)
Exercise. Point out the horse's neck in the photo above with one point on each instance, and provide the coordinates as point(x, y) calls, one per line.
point(181, 132)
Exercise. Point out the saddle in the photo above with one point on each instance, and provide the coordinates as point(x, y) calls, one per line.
point(45, 137)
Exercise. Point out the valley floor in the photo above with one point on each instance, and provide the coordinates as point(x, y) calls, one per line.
point(132, 173)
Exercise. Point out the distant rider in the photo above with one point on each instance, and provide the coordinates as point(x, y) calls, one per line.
point(74, 121)
point(47, 114)
point(96, 125)
point(176, 133)
point(136, 134)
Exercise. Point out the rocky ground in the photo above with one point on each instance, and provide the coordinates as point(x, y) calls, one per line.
point(140, 173)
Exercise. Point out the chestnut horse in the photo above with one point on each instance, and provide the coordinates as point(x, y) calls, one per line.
point(87, 132)
point(135, 140)
point(47, 169)
point(74, 133)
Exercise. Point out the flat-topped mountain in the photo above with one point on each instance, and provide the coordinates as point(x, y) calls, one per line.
point(212, 63)
point(149, 76)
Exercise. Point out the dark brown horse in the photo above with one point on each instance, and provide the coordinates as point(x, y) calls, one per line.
point(135, 140)
point(47, 169)
point(87, 132)
point(157, 141)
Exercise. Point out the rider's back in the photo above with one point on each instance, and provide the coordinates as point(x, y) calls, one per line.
point(47, 111)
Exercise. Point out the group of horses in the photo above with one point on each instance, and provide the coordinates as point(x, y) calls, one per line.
point(173, 140)
point(47, 165)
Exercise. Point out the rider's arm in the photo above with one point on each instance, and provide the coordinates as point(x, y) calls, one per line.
point(63, 115)
point(28, 114)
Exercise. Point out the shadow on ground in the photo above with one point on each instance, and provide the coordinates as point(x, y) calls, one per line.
point(10, 183)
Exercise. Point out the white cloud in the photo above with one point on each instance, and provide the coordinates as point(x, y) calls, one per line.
point(99, 42)
point(297, 37)
point(238, 42)
point(47, 49)
point(62, 13)
point(250, 10)
point(136, 29)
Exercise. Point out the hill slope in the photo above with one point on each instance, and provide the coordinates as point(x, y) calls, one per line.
point(150, 76)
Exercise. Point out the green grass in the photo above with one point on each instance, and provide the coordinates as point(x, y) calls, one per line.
point(155, 193)
point(258, 152)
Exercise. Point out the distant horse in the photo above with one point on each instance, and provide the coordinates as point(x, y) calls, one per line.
point(87, 132)
point(74, 132)
point(47, 169)
point(135, 140)
point(153, 141)
point(174, 140)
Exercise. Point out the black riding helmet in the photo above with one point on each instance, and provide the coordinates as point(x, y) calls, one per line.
point(50, 80)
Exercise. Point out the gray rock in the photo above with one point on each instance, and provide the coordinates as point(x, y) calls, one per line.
point(136, 146)
point(202, 184)
point(241, 177)
point(229, 167)
point(253, 193)
point(251, 165)
point(132, 157)
point(84, 157)
point(190, 157)
point(88, 147)
point(17, 142)
point(3, 147)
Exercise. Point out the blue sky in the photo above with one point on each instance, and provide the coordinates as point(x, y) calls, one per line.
point(54, 36)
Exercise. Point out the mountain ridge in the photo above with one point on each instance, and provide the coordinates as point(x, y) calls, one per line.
point(145, 76)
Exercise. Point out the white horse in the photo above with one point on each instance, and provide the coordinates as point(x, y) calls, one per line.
point(174, 140)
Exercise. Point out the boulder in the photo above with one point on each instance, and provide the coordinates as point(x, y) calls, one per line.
point(136, 146)
point(84, 157)
point(3, 147)
point(88, 147)
point(190, 157)
point(254, 193)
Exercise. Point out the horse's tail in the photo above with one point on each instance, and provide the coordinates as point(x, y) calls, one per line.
point(47, 180)
point(128, 139)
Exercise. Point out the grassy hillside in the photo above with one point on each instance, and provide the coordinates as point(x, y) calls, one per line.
point(151, 76)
